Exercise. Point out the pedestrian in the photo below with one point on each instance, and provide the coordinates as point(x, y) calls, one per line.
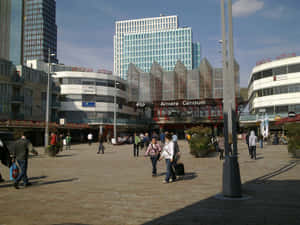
point(220, 146)
point(153, 151)
point(176, 154)
point(167, 154)
point(162, 138)
point(261, 141)
point(60, 142)
point(101, 146)
point(68, 142)
point(20, 154)
point(247, 142)
point(142, 144)
point(154, 135)
point(136, 145)
point(53, 141)
point(146, 140)
point(108, 138)
point(252, 144)
point(90, 138)
point(4, 157)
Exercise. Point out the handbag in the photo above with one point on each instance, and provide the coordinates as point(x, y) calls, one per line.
point(13, 171)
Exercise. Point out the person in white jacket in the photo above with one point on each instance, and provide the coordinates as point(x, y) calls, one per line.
point(167, 154)
point(252, 144)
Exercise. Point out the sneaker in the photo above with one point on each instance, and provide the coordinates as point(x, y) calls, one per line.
point(165, 182)
point(16, 185)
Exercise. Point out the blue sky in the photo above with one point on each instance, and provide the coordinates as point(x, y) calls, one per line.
point(262, 28)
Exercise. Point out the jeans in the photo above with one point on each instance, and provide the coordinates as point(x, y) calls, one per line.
point(253, 152)
point(23, 173)
point(170, 171)
point(154, 162)
point(136, 150)
point(101, 148)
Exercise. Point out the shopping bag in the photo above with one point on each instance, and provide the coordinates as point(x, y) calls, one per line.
point(13, 171)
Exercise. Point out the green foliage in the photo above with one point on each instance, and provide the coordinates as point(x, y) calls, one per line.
point(200, 141)
point(293, 133)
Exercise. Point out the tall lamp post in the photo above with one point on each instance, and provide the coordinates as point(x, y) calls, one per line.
point(115, 111)
point(231, 171)
point(48, 100)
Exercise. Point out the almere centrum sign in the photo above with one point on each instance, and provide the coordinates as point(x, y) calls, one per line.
point(182, 103)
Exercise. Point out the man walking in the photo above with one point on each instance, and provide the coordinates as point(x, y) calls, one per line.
point(136, 145)
point(20, 154)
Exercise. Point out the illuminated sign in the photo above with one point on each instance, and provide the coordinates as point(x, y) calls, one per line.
point(183, 103)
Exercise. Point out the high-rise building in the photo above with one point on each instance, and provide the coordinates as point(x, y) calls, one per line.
point(5, 11)
point(196, 54)
point(11, 30)
point(40, 30)
point(148, 40)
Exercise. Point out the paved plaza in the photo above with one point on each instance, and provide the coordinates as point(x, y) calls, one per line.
point(83, 188)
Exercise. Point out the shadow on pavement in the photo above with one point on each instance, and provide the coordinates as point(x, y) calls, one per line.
point(37, 183)
point(273, 203)
point(71, 224)
point(65, 155)
point(53, 182)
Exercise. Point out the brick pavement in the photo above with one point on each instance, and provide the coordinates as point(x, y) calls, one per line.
point(81, 187)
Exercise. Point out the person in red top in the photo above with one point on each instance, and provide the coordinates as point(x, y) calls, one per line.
point(53, 141)
point(153, 151)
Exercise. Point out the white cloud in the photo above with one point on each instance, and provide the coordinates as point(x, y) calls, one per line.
point(246, 7)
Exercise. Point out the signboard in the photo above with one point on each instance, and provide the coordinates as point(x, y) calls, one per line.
point(88, 104)
point(262, 110)
point(88, 89)
point(62, 121)
point(182, 103)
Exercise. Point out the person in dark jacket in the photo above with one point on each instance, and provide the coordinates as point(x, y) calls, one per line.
point(4, 157)
point(247, 141)
point(101, 146)
point(20, 154)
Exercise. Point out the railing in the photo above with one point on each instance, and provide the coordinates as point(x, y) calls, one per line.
point(258, 117)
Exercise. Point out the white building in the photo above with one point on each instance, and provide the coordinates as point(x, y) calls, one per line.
point(274, 87)
point(88, 97)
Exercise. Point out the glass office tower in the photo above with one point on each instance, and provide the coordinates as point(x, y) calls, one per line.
point(40, 30)
point(16, 32)
point(5, 11)
point(196, 55)
point(143, 41)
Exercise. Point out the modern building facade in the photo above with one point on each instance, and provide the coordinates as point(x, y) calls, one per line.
point(180, 97)
point(23, 93)
point(11, 30)
point(40, 30)
point(274, 87)
point(88, 97)
point(5, 14)
point(160, 39)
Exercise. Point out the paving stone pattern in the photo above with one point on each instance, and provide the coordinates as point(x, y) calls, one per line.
point(80, 187)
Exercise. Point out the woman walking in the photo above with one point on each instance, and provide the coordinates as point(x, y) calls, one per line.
point(167, 154)
point(153, 151)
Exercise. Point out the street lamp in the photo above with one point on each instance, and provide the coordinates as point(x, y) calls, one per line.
point(231, 171)
point(115, 111)
point(47, 101)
